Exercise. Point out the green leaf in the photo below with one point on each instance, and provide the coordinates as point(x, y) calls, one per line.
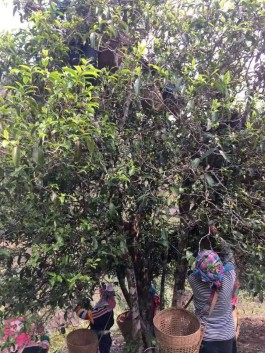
point(224, 155)
point(195, 163)
point(227, 77)
point(6, 134)
point(90, 145)
point(38, 155)
point(16, 156)
point(45, 52)
point(14, 71)
point(155, 67)
point(93, 40)
point(164, 238)
point(78, 151)
point(123, 247)
point(137, 86)
point(208, 153)
point(45, 61)
point(4, 253)
point(112, 209)
point(72, 72)
point(94, 243)
point(210, 180)
point(123, 25)
point(209, 124)
point(25, 67)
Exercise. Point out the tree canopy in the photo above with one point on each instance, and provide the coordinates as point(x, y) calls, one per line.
point(119, 163)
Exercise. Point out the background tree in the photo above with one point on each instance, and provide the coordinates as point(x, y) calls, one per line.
point(119, 167)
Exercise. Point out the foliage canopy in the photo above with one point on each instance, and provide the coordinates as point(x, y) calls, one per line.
point(106, 167)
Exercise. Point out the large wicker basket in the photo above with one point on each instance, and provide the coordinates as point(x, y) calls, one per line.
point(82, 341)
point(177, 331)
point(124, 322)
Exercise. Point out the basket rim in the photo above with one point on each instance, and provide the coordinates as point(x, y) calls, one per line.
point(176, 309)
point(122, 314)
point(80, 329)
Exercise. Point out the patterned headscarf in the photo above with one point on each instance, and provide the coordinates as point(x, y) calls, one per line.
point(209, 268)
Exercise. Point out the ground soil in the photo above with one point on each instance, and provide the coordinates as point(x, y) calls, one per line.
point(252, 334)
point(117, 344)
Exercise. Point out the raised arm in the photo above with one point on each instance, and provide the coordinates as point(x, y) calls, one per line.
point(84, 314)
point(223, 248)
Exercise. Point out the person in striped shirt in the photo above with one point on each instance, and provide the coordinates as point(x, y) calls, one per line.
point(209, 276)
point(101, 318)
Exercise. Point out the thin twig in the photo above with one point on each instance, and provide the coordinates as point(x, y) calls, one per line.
point(205, 236)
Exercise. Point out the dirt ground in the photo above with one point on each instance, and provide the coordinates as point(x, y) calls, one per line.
point(252, 334)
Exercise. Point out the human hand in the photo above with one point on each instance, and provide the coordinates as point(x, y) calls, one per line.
point(213, 230)
point(73, 304)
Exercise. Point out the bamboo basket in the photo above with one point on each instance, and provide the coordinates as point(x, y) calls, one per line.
point(177, 331)
point(82, 341)
point(125, 325)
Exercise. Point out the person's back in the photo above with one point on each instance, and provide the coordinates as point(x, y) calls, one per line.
point(220, 325)
point(213, 284)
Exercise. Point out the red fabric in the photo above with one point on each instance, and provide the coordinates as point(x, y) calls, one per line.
point(235, 294)
point(13, 329)
point(156, 304)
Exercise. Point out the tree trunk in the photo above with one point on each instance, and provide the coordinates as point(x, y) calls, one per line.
point(139, 282)
point(121, 275)
point(145, 303)
point(136, 319)
point(179, 285)
point(163, 281)
point(181, 268)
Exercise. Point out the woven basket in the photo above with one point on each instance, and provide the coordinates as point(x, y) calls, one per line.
point(177, 331)
point(82, 341)
point(125, 325)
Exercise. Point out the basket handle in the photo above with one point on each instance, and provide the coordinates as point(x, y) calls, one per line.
point(149, 348)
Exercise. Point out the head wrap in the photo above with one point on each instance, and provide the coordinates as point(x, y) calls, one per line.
point(209, 268)
point(107, 295)
point(109, 288)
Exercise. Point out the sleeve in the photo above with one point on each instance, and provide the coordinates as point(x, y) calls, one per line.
point(192, 282)
point(45, 342)
point(84, 314)
point(225, 252)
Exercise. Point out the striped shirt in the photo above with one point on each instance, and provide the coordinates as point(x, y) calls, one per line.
point(220, 325)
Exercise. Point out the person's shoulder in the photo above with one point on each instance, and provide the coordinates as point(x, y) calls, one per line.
point(191, 276)
point(230, 275)
point(231, 271)
point(104, 307)
point(193, 280)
